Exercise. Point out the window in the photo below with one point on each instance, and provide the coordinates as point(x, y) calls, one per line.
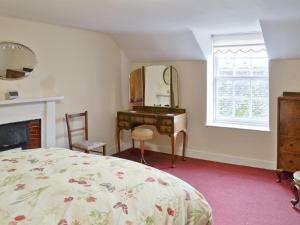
point(240, 80)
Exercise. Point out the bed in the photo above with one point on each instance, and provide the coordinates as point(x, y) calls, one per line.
point(63, 187)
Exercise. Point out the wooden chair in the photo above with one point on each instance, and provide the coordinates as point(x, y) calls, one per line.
point(85, 145)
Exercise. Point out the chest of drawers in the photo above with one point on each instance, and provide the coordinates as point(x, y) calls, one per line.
point(288, 139)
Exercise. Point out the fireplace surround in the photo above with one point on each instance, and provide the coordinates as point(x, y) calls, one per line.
point(33, 110)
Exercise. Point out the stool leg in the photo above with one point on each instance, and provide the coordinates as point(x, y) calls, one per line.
point(295, 191)
point(104, 150)
point(142, 153)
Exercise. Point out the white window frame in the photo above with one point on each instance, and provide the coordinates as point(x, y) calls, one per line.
point(211, 103)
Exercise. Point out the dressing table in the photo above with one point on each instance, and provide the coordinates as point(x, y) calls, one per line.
point(168, 120)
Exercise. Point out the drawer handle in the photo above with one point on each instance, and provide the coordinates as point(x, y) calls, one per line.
point(291, 161)
point(291, 145)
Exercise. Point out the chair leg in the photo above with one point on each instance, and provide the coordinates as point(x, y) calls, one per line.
point(296, 194)
point(104, 150)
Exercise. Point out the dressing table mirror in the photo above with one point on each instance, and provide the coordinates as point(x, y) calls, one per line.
point(17, 61)
point(154, 98)
point(155, 85)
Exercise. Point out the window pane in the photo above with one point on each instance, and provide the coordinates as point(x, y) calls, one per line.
point(242, 108)
point(260, 66)
point(242, 88)
point(260, 88)
point(259, 109)
point(224, 67)
point(224, 73)
point(225, 107)
point(242, 73)
point(224, 88)
point(242, 63)
point(242, 66)
point(261, 73)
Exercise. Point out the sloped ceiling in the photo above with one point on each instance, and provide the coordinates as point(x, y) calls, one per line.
point(159, 46)
point(161, 29)
point(282, 38)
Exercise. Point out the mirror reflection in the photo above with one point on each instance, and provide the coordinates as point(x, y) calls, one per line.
point(16, 61)
point(155, 85)
point(136, 87)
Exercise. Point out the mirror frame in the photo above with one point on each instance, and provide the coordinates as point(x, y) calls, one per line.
point(171, 86)
point(25, 47)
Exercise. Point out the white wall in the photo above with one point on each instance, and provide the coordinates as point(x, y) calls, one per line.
point(84, 67)
point(245, 147)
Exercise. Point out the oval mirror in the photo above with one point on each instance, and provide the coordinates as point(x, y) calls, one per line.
point(16, 61)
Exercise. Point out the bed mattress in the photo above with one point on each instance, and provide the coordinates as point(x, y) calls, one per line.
point(63, 187)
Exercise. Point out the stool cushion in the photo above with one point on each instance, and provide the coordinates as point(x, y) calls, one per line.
point(142, 134)
point(89, 145)
point(296, 176)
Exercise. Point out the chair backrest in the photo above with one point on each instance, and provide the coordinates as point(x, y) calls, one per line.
point(69, 118)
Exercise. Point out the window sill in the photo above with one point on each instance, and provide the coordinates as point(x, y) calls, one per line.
point(239, 126)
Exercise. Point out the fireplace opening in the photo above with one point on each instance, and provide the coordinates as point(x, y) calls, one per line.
point(24, 135)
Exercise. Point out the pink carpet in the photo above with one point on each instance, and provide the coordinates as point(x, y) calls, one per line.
point(238, 195)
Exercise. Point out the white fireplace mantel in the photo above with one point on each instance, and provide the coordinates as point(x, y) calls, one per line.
point(23, 109)
point(31, 100)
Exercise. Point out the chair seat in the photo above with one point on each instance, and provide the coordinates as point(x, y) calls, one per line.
point(296, 176)
point(89, 145)
point(142, 134)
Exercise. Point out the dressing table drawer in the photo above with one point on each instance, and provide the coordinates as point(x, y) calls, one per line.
point(168, 122)
point(165, 129)
point(124, 124)
point(124, 117)
point(150, 121)
point(137, 119)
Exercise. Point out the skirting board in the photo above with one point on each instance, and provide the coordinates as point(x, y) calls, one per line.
point(216, 157)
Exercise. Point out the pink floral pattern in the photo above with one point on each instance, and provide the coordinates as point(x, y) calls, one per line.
point(20, 218)
point(124, 207)
point(68, 199)
point(20, 187)
point(63, 187)
point(91, 199)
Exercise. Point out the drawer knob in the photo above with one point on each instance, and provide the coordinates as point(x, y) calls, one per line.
point(291, 161)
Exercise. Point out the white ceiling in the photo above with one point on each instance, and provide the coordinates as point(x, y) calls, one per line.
point(161, 29)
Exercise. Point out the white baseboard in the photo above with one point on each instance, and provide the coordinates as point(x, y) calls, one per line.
point(216, 157)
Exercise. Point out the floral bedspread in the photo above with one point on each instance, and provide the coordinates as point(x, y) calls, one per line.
point(64, 187)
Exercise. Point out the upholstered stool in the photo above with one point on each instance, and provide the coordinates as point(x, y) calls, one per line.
point(142, 134)
point(295, 185)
